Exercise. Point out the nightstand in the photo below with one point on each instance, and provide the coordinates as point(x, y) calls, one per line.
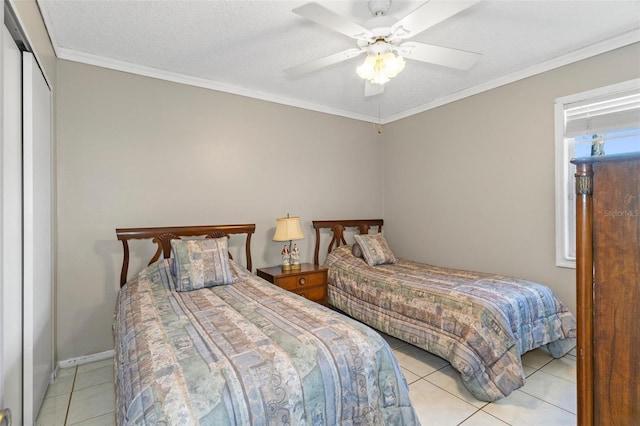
point(309, 281)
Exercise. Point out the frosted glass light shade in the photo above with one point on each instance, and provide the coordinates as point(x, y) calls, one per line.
point(381, 67)
point(287, 229)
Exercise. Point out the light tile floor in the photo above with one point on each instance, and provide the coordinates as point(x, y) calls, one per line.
point(84, 395)
point(81, 396)
point(440, 399)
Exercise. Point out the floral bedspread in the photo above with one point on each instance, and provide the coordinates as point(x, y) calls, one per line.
point(480, 323)
point(247, 353)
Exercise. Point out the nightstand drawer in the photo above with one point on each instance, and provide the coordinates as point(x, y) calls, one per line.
point(317, 294)
point(299, 282)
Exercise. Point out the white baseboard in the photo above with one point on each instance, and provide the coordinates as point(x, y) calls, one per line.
point(85, 359)
point(55, 373)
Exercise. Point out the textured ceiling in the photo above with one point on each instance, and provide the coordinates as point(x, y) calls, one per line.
point(243, 46)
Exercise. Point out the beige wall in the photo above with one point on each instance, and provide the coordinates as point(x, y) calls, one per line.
point(471, 184)
point(136, 151)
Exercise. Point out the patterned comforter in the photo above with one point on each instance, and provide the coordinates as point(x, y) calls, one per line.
point(480, 323)
point(247, 353)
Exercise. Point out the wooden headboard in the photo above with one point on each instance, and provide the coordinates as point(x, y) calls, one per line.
point(337, 227)
point(163, 236)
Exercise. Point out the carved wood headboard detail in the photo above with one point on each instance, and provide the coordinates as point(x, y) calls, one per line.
point(162, 238)
point(337, 227)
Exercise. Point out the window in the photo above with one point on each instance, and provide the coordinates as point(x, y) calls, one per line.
point(597, 122)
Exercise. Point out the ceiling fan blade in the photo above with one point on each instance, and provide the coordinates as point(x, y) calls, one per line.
point(323, 16)
point(445, 56)
point(323, 62)
point(371, 89)
point(426, 16)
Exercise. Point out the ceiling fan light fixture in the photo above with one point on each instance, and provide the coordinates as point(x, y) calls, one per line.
point(379, 68)
point(386, 40)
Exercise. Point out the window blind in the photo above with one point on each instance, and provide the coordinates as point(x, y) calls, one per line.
point(608, 113)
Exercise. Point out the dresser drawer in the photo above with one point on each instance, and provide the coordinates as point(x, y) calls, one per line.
point(300, 282)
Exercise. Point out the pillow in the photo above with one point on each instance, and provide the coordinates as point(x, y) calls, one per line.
point(375, 249)
point(355, 250)
point(200, 263)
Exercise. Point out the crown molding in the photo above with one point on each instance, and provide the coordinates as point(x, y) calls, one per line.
point(127, 67)
point(577, 55)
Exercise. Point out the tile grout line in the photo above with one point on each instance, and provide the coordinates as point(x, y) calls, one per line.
point(428, 374)
point(558, 377)
point(87, 387)
point(544, 400)
point(488, 414)
point(73, 385)
point(456, 396)
point(554, 375)
point(548, 402)
point(472, 414)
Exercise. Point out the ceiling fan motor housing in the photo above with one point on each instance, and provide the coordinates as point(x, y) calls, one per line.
point(379, 7)
point(379, 24)
point(379, 47)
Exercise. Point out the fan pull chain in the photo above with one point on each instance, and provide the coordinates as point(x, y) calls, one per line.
point(379, 121)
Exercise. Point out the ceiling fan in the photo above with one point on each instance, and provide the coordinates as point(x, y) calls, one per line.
point(386, 42)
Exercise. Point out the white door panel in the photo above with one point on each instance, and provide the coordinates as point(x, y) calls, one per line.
point(11, 226)
point(38, 284)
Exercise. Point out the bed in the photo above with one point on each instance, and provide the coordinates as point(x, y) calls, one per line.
point(201, 340)
point(481, 323)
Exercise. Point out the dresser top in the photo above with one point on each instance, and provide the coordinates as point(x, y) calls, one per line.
point(629, 156)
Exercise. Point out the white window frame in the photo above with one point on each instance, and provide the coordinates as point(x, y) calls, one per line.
point(565, 186)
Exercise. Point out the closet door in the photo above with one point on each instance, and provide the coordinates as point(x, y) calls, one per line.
point(11, 202)
point(37, 237)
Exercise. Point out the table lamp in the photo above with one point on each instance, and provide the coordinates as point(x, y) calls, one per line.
point(288, 229)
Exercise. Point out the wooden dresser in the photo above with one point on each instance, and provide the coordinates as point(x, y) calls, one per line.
point(608, 289)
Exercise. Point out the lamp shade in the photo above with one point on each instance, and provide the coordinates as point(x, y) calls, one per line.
point(287, 229)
